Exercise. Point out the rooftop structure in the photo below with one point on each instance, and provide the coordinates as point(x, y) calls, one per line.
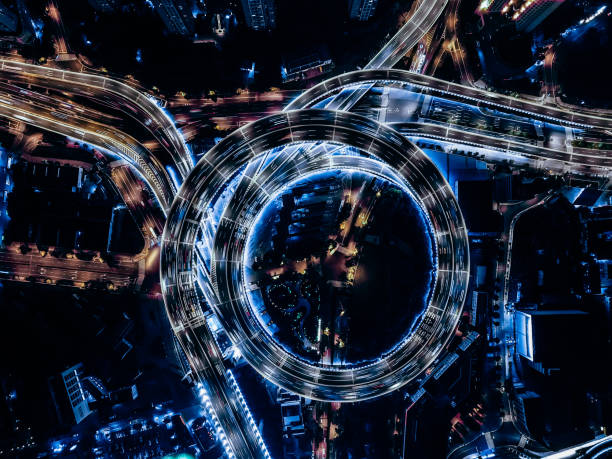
point(526, 14)
point(547, 339)
point(76, 394)
point(530, 13)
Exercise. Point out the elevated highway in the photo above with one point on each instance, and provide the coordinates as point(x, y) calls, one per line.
point(183, 300)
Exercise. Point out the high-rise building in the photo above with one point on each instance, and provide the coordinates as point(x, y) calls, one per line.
point(259, 14)
point(550, 339)
point(176, 15)
point(9, 21)
point(362, 9)
point(104, 6)
point(76, 395)
point(532, 12)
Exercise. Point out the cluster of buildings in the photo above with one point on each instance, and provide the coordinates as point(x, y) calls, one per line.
point(179, 15)
point(152, 434)
point(560, 339)
point(60, 224)
point(84, 410)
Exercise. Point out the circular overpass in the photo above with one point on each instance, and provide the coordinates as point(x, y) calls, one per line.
point(382, 152)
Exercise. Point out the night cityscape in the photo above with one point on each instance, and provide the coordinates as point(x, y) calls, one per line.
point(306, 229)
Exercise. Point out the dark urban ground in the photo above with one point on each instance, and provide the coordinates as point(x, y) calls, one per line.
point(176, 64)
point(381, 289)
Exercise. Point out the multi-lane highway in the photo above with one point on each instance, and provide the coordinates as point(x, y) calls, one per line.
point(141, 107)
point(178, 279)
point(83, 125)
point(453, 91)
point(101, 135)
point(34, 266)
point(189, 324)
point(423, 18)
point(591, 162)
point(416, 173)
point(200, 347)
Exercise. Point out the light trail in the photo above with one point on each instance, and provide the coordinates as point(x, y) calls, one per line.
point(195, 338)
point(323, 382)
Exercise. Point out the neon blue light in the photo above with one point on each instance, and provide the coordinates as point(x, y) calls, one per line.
point(173, 175)
point(204, 398)
point(254, 428)
point(603, 452)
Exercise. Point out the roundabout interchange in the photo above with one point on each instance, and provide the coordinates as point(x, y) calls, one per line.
point(202, 254)
point(396, 156)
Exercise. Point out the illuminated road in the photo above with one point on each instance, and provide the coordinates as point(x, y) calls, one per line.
point(188, 322)
point(423, 18)
point(453, 91)
point(33, 266)
point(592, 162)
point(200, 347)
point(416, 172)
point(103, 136)
point(242, 439)
point(146, 109)
point(190, 327)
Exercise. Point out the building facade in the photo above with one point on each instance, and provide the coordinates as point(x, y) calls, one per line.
point(259, 14)
point(176, 15)
point(75, 392)
point(362, 10)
